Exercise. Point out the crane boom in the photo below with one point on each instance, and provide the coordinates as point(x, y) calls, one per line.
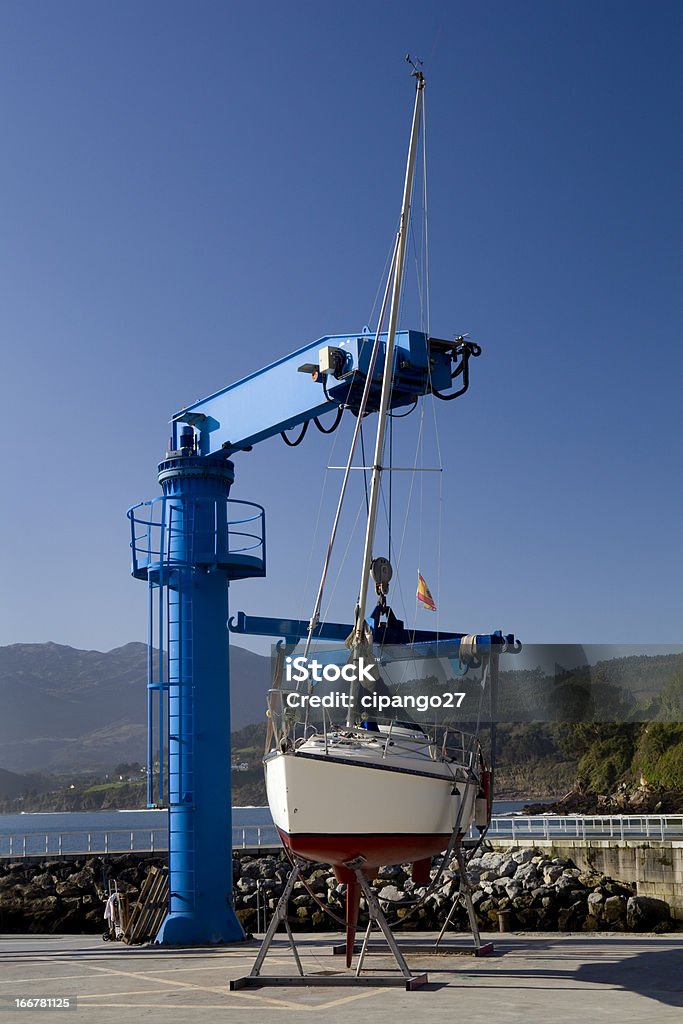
point(315, 379)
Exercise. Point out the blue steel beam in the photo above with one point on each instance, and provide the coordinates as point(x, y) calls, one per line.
point(282, 396)
point(296, 629)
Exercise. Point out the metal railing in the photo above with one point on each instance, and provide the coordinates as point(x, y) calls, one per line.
point(229, 527)
point(111, 841)
point(67, 844)
point(659, 827)
point(580, 826)
point(260, 837)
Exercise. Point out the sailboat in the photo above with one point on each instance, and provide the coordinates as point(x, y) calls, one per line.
point(371, 789)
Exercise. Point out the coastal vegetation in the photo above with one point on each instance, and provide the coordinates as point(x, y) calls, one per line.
point(609, 730)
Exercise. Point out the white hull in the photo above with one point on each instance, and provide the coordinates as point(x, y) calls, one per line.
point(340, 806)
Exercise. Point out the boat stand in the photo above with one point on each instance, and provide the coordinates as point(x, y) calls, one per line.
point(256, 980)
point(478, 948)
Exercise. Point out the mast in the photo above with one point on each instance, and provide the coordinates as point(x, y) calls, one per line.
point(387, 377)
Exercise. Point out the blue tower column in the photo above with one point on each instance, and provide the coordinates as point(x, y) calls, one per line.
point(200, 815)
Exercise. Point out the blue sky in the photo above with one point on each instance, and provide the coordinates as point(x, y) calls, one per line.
point(189, 191)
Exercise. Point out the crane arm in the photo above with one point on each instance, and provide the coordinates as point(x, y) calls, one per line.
point(315, 379)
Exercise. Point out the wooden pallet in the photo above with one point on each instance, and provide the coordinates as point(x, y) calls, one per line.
point(150, 909)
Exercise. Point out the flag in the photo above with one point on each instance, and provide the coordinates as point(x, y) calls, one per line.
point(423, 595)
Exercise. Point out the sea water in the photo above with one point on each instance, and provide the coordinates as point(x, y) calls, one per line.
point(52, 832)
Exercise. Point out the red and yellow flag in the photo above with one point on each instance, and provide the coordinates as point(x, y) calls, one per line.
point(423, 594)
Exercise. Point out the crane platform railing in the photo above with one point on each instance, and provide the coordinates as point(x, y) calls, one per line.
point(238, 533)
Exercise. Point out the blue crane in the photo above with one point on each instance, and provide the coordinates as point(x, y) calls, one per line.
point(191, 542)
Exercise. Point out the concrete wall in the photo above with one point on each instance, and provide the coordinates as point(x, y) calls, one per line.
point(655, 866)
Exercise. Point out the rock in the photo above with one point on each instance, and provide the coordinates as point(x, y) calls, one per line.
point(251, 869)
point(527, 918)
point(527, 874)
point(393, 871)
point(613, 888)
point(46, 882)
point(552, 873)
point(508, 866)
point(449, 890)
point(491, 862)
point(269, 865)
point(645, 912)
point(391, 894)
point(522, 856)
point(82, 880)
point(541, 892)
point(594, 902)
point(129, 875)
point(614, 909)
point(567, 883)
point(513, 889)
point(45, 905)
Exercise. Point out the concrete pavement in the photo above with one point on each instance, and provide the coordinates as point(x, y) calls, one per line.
point(531, 978)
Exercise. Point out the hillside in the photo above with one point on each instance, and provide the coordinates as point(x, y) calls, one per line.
point(13, 785)
point(66, 709)
point(616, 724)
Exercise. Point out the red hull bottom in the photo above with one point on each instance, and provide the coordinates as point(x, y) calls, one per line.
point(376, 850)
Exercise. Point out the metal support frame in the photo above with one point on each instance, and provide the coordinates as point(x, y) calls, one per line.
point(255, 979)
point(478, 948)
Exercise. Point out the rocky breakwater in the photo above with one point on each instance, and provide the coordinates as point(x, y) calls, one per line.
point(66, 895)
point(544, 894)
point(532, 891)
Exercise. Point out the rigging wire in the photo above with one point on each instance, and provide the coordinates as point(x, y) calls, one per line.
point(303, 599)
point(365, 472)
point(425, 209)
point(347, 473)
point(391, 480)
point(383, 275)
point(343, 559)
